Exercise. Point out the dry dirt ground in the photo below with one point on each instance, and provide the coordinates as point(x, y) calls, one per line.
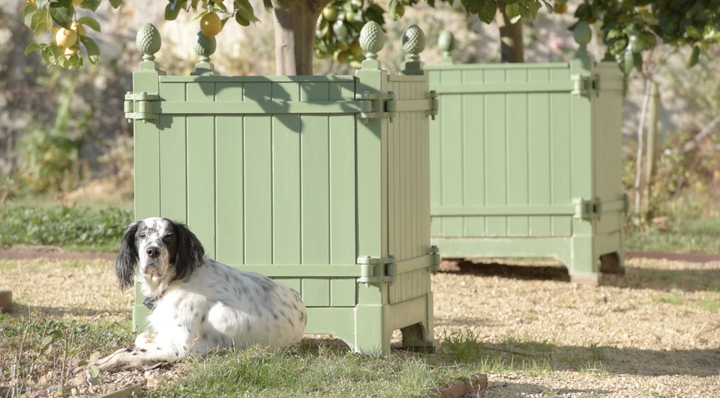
point(654, 332)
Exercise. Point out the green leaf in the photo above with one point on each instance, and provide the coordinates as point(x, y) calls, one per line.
point(93, 371)
point(487, 10)
point(93, 51)
point(628, 61)
point(90, 23)
point(694, 57)
point(28, 15)
point(548, 6)
point(115, 3)
point(94, 356)
point(62, 13)
point(42, 4)
point(48, 349)
point(244, 8)
point(33, 46)
point(693, 32)
point(91, 4)
point(172, 10)
point(513, 12)
point(47, 340)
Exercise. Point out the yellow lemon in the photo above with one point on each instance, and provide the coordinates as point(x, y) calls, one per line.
point(340, 56)
point(33, 2)
point(70, 51)
point(560, 8)
point(210, 25)
point(76, 3)
point(330, 13)
point(66, 37)
point(78, 28)
point(355, 49)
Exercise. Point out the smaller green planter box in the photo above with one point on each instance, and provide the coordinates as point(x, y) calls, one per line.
point(320, 182)
point(526, 162)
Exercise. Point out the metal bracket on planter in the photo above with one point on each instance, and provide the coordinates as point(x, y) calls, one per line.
point(138, 106)
point(583, 85)
point(433, 97)
point(436, 258)
point(587, 209)
point(377, 270)
point(374, 101)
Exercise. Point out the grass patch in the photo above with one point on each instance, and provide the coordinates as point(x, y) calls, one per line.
point(674, 299)
point(75, 229)
point(689, 236)
point(310, 370)
point(39, 351)
point(709, 305)
point(464, 345)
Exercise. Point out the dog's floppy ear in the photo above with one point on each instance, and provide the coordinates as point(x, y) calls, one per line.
point(189, 252)
point(128, 258)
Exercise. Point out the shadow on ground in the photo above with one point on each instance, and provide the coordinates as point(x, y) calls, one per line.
point(690, 280)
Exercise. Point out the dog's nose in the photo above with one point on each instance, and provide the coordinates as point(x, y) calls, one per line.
point(153, 252)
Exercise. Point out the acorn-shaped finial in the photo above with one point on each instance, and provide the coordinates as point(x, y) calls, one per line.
point(446, 41)
point(413, 42)
point(148, 41)
point(372, 39)
point(582, 33)
point(204, 46)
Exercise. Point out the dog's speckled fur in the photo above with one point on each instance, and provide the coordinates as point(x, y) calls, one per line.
point(198, 303)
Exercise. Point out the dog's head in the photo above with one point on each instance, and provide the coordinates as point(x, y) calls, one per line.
point(165, 251)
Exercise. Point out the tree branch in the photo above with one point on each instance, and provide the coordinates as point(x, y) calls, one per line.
point(690, 145)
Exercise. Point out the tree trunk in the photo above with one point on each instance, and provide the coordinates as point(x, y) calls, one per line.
point(650, 152)
point(295, 35)
point(511, 38)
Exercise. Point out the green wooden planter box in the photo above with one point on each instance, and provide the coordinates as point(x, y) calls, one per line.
point(526, 162)
point(320, 182)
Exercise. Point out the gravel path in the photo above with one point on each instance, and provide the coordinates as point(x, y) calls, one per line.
point(654, 332)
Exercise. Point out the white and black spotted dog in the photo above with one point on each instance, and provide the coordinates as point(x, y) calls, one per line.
point(198, 303)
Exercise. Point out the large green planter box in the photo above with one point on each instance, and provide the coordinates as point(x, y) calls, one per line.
point(310, 180)
point(526, 162)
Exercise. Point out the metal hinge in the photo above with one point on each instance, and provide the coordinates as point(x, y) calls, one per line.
point(433, 97)
point(375, 105)
point(587, 209)
point(584, 85)
point(376, 270)
point(436, 258)
point(138, 106)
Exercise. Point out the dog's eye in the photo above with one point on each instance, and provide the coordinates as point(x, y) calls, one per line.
point(142, 236)
point(168, 238)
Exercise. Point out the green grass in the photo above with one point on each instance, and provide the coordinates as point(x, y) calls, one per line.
point(709, 305)
point(672, 299)
point(691, 236)
point(75, 229)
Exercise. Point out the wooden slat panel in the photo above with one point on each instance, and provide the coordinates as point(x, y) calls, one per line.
point(342, 190)
point(228, 91)
point(173, 157)
point(517, 159)
point(230, 180)
point(315, 190)
point(286, 190)
point(435, 150)
point(474, 160)
point(258, 190)
point(496, 162)
point(230, 199)
point(560, 161)
point(147, 170)
point(342, 292)
point(201, 180)
point(539, 158)
point(452, 162)
point(173, 168)
point(316, 292)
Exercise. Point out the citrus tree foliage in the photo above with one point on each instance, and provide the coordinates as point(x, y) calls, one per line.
point(629, 27)
point(338, 27)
